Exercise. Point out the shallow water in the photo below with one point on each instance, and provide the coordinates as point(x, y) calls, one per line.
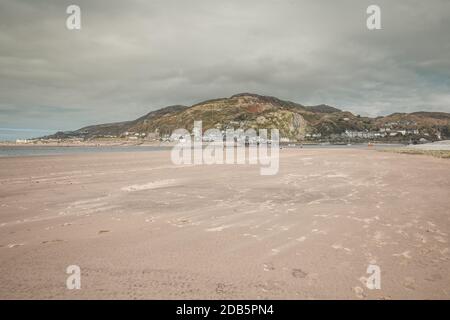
point(17, 151)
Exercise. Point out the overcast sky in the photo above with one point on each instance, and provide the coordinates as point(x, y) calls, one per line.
point(131, 57)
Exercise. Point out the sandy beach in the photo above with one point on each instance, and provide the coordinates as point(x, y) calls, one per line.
point(141, 227)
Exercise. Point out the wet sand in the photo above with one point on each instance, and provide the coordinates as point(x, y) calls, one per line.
point(140, 227)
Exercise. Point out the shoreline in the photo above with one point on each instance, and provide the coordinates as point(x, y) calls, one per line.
point(160, 143)
point(21, 150)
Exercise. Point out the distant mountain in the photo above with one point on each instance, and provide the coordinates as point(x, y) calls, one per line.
point(295, 121)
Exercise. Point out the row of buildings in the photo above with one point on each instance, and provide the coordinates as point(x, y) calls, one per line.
point(382, 133)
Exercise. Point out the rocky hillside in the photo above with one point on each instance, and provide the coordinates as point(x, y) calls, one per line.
point(295, 121)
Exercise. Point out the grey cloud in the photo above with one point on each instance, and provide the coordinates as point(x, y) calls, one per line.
point(135, 56)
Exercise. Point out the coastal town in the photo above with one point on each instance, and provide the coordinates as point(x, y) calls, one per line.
point(393, 133)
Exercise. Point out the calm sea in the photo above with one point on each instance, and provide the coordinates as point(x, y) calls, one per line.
point(15, 151)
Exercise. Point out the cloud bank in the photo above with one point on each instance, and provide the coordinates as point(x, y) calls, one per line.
point(136, 56)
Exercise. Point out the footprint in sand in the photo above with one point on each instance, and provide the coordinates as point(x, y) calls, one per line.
point(409, 283)
point(179, 222)
point(52, 241)
point(269, 266)
point(359, 292)
point(338, 246)
point(223, 288)
point(434, 277)
point(440, 239)
point(317, 231)
point(420, 237)
point(299, 273)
